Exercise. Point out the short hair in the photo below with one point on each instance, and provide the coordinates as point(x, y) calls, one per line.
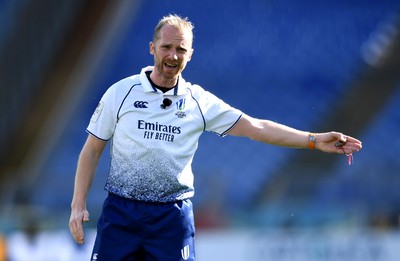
point(176, 21)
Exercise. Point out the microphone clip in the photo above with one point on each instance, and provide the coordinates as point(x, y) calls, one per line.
point(166, 103)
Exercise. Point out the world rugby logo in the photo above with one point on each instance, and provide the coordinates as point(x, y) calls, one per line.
point(185, 252)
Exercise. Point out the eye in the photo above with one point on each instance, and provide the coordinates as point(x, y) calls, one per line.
point(182, 50)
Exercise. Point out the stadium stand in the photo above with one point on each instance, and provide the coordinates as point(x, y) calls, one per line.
point(312, 76)
point(270, 59)
point(371, 182)
point(28, 44)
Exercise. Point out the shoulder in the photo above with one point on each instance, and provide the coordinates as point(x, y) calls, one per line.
point(203, 96)
point(196, 90)
point(127, 83)
point(122, 87)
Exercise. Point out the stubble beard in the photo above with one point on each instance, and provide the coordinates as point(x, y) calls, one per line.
point(167, 78)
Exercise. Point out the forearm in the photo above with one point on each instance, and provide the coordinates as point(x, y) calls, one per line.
point(85, 173)
point(270, 132)
point(280, 135)
point(277, 134)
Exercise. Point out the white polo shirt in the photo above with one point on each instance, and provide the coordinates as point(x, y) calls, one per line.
point(153, 147)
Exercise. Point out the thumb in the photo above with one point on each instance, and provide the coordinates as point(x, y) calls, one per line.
point(343, 138)
point(85, 216)
point(340, 136)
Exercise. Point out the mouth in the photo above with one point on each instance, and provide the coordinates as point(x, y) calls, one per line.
point(171, 65)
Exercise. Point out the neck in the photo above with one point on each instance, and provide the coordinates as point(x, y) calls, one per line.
point(163, 82)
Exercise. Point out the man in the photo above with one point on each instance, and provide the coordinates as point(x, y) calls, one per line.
point(154, 120)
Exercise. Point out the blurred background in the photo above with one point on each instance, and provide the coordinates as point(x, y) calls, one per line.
point(313, 65)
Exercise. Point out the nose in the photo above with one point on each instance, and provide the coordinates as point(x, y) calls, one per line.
point(174, 54)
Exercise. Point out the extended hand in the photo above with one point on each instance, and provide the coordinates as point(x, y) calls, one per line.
point(326, 143)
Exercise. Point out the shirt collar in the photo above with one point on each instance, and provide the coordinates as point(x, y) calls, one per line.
point(178, 90)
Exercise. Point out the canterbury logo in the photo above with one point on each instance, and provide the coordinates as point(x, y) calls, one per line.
point(140, 104)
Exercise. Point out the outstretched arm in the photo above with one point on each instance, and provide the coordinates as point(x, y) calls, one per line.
point(85, 173)
point(277, 134)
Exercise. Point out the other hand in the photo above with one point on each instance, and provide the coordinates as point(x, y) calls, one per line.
point(76, 224)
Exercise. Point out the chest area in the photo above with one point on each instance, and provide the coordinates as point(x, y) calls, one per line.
point(162, 115)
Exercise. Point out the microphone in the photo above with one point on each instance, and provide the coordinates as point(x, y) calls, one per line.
point(166, 103)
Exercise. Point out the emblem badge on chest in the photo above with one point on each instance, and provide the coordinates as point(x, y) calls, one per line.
point(180, 106)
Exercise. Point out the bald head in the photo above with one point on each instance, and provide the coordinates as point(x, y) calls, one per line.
point(183, 24)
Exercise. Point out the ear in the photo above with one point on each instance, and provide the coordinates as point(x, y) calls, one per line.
point(190, 54)
point(151, 47)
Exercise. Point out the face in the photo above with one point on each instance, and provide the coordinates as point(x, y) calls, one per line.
point(171, 51)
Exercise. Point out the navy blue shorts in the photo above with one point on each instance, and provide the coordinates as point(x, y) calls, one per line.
point(131, 230)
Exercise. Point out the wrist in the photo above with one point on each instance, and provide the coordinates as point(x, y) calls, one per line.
point(312, 140)
point(78, 205)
